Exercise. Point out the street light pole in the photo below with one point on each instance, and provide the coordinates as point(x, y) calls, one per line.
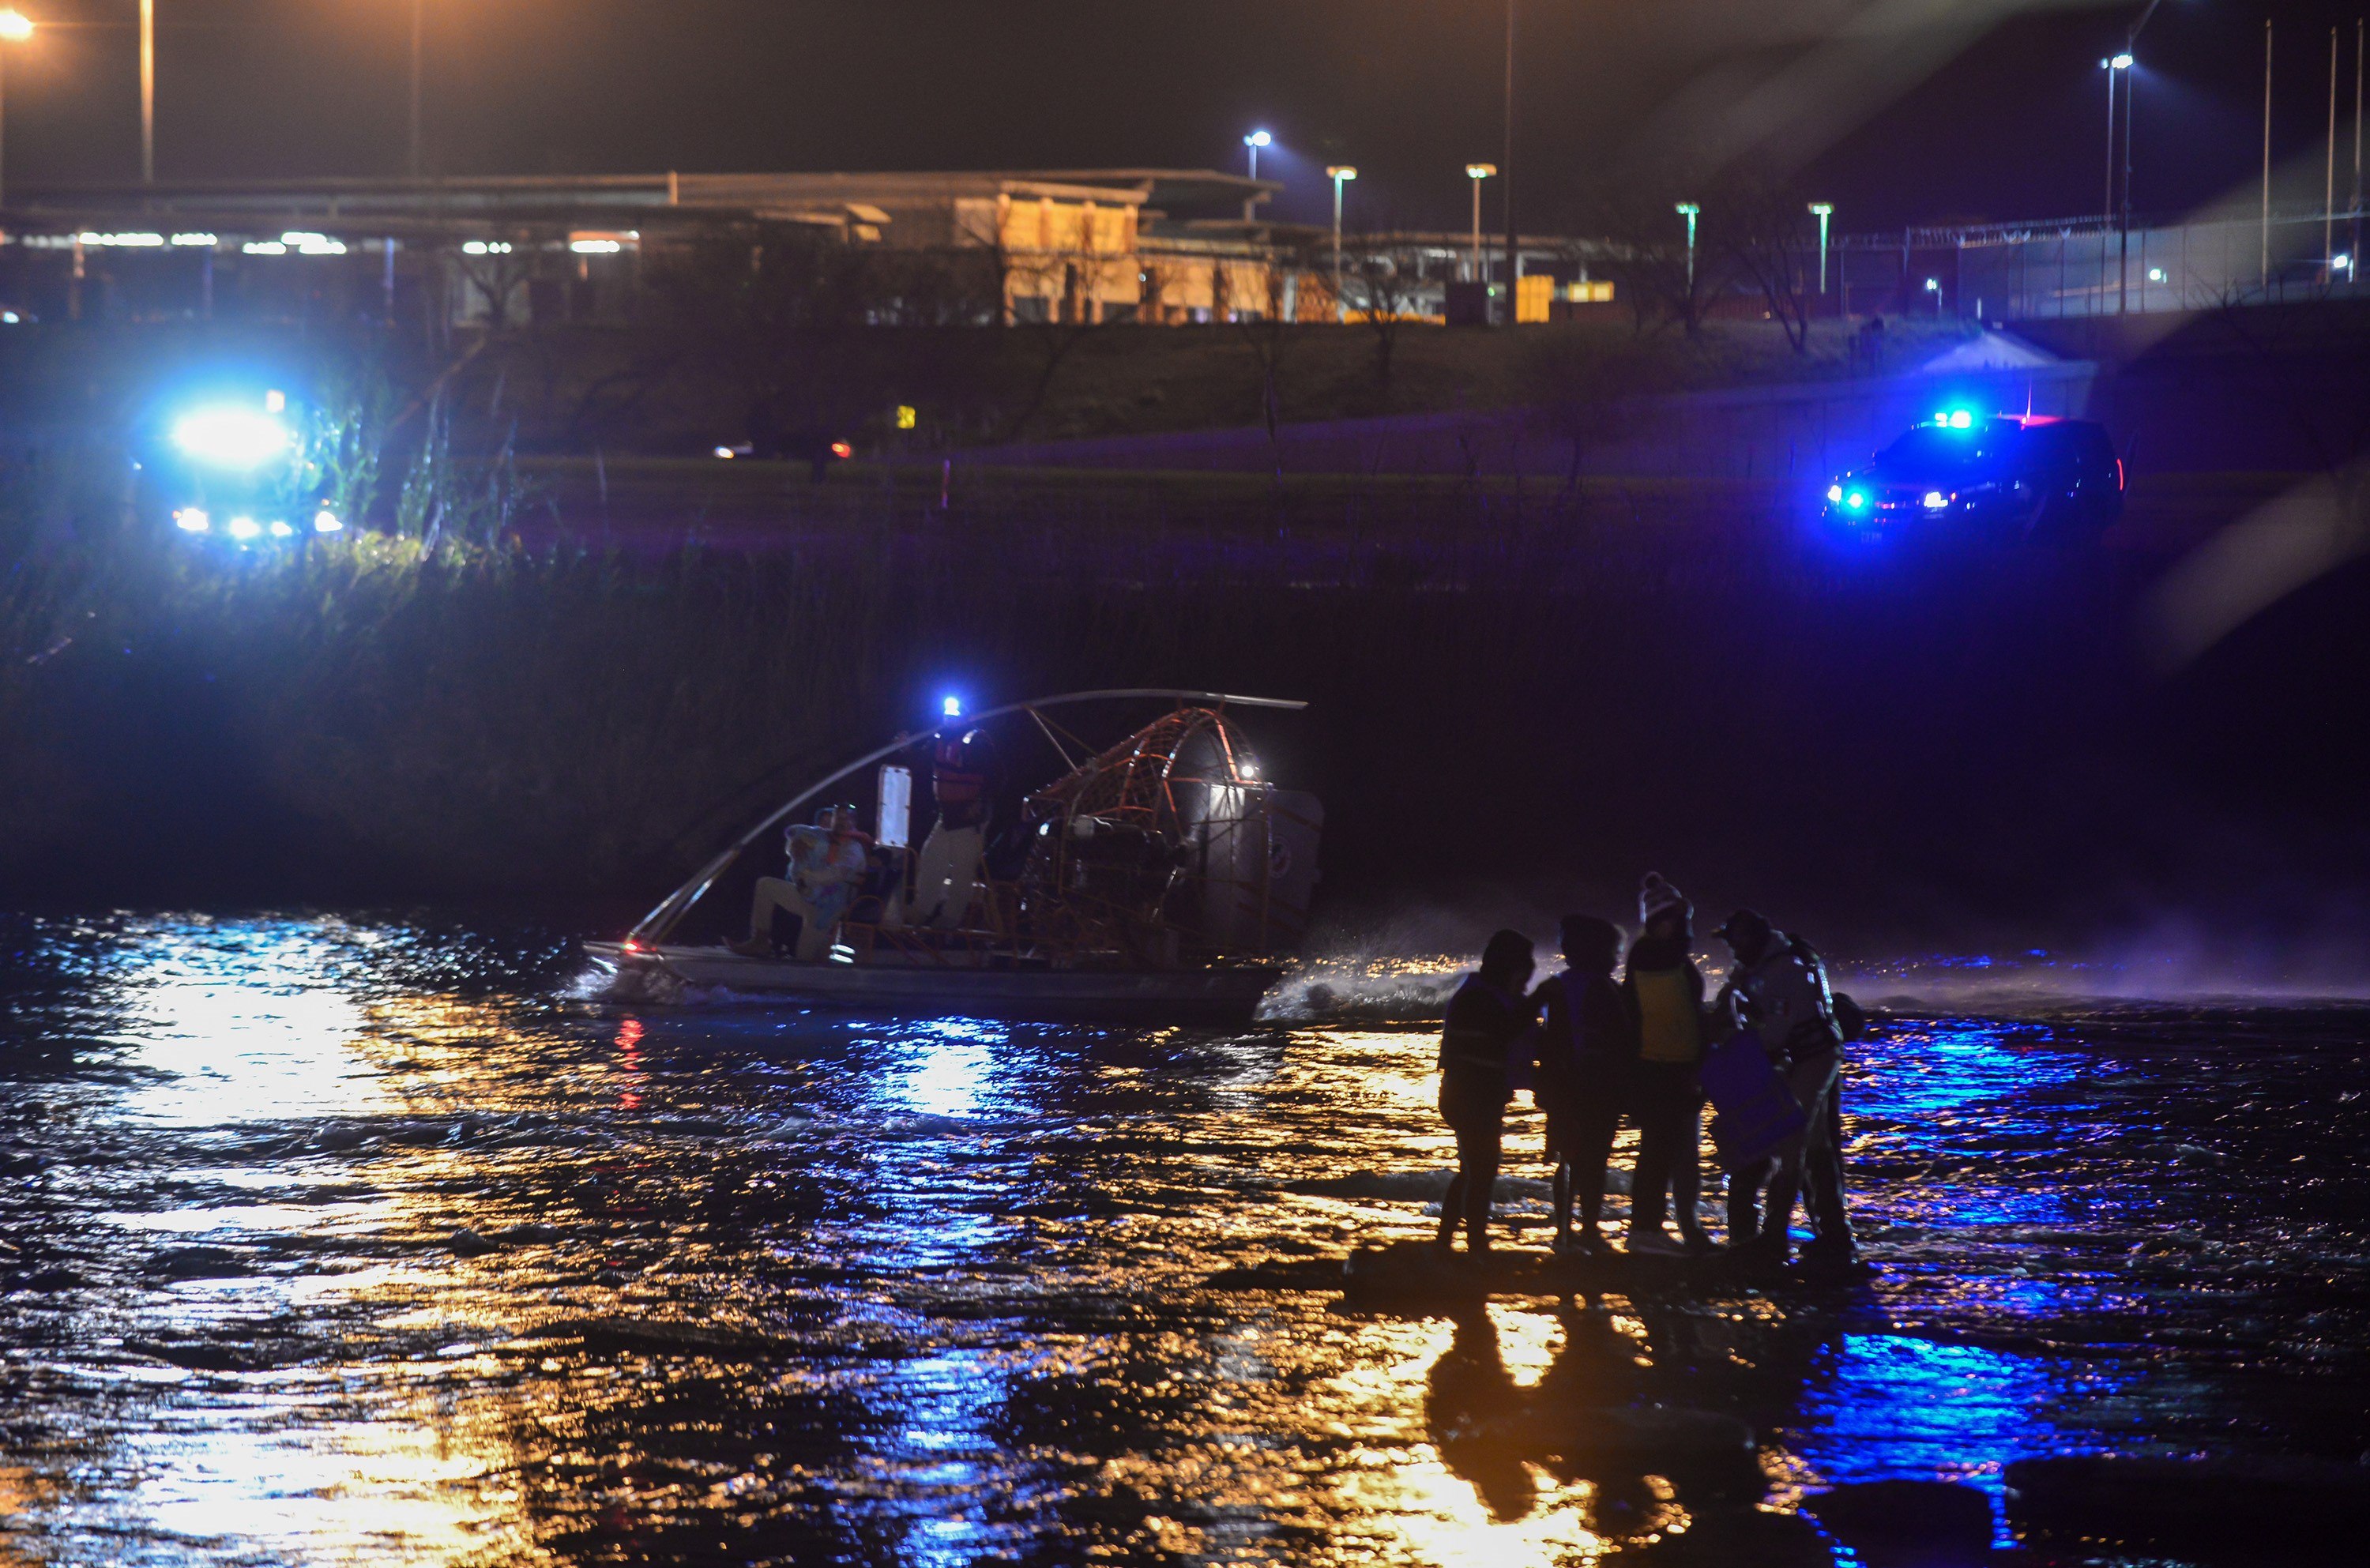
point(1254, 142)
point(1688, 210)
point(148, 92)
point(15, 27)
point(1822, 210)
point(1477, 172)
point(2109, 67)
point(1340, 175)
point(2123, 226)
point(419, 40)
point(1506, 164)
point(2263, 264)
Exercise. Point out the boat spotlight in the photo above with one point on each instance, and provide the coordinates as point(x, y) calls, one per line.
point(192, 520)
point(325, 522)
point(1936, 500)
point(245, 528)
point(281, 530)
point(231, 437)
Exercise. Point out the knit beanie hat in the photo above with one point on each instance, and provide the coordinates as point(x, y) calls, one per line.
point(1657, 897)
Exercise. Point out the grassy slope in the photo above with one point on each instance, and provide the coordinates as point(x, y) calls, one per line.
point(1125, 381)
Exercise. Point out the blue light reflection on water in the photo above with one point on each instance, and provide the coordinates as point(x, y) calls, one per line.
point(1887, 1407)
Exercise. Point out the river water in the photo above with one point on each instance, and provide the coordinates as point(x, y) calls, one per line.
point(334, 1240)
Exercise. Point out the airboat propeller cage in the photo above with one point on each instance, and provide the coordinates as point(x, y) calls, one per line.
point(1165, 844)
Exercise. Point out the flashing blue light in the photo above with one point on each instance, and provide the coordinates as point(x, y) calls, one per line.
point(1961, 420)
point(228, 437)
point(951, 708)
point(1857, 500)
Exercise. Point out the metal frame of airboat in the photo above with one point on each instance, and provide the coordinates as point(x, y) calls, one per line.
point(654, 928)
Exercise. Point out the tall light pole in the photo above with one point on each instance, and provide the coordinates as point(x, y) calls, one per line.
point(418, 51)
point(2329, 189)
point(2263, 263)
point(1254, 142)
point(2110, 68)
point(2123, 226)
point(148, 92)
point(1507, 163)
point(1340, 175)
point(1477, 172)
point(15, 27)
point(1822, 210)
point(1688, 210)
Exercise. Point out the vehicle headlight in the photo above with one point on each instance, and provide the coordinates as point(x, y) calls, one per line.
point(1835, 492)
point(1936, 500)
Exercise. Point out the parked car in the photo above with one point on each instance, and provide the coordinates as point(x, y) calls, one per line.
point(2019, 477)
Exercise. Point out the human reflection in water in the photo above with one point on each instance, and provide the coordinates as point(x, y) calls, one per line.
point(1467, 1397)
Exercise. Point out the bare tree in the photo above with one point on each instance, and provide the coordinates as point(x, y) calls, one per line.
point(1760, 222)
point(1049, 288)
point(1383, 291)
point(1271, 334)
point(1648, 259)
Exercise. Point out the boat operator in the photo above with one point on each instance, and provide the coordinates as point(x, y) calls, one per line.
point(827, 865)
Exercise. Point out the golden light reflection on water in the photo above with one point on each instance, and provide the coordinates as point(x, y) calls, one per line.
point(391, 1272)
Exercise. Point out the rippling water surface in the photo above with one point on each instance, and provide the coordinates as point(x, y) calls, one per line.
point(331, 1241)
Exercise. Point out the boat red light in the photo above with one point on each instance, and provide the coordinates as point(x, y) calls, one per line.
point(630, 945)
point(842, 449)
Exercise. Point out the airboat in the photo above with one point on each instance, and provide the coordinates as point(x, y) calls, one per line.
point(1161, 878)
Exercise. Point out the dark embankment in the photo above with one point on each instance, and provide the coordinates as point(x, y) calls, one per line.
point(1541, 698)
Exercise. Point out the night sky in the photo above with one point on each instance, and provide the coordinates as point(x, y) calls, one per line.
point(1896, 109)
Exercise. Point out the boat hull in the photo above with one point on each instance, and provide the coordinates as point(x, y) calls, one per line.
point(1213, 995)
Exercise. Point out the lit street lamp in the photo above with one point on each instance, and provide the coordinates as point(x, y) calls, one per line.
point(1477, 172)
point(1255, 141)
point(1340, 175)
point(1688, 210)
point(15, 27)
point(2113, 67)
point(1934, 287)
point(2123, 62)
point(1822, 210)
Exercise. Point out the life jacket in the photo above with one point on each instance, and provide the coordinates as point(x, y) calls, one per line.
point(1670, 1028)
point(957, 777)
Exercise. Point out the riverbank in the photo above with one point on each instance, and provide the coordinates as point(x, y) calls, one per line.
point(1552, 693)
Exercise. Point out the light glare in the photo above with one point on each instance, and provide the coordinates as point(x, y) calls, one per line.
point(231, 438)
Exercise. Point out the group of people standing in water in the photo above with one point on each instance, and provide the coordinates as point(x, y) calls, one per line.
point(1595, 1049)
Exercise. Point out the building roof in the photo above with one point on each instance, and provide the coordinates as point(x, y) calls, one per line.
point(372, 205)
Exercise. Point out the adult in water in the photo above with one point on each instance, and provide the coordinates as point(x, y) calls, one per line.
point(1588, 1048)
point(1486, 1017)
point(1665, 992)
point(1779, 989)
